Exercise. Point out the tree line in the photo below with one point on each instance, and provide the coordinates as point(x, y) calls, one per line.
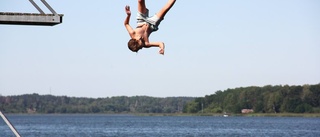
point(35, 103)
point(266, 99)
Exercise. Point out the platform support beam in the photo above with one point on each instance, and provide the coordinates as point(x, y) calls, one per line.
point(9, 124)
point(49, 7)
point(36, 6)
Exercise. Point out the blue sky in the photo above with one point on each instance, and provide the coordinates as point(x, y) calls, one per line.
point(210, 45)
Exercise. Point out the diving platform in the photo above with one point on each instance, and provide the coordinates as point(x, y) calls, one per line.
point(30, 19)
point(40, 19)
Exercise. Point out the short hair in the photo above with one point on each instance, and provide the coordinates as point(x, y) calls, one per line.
point(134, 45)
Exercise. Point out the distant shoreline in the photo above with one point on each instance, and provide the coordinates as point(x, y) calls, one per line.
point(183, 114)
point(236, 115)
point(282, 114)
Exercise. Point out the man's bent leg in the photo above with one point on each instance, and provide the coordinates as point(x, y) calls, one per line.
point(142, 6)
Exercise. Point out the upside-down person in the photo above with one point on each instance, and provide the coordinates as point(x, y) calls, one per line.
point(145, 26)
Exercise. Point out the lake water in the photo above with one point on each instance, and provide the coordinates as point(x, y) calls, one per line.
point(158, 126)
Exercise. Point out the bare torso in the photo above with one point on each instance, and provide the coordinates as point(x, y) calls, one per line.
point(144, 31)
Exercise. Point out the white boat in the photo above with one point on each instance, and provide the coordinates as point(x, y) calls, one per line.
point(225, 114)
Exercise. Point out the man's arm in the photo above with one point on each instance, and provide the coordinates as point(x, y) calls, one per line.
point(127, 20)
point(156, 44)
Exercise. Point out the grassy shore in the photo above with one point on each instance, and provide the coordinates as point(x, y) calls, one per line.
point(282, 115)
point(243, 115)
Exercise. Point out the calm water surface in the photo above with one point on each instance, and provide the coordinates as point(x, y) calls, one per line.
point(158, 126)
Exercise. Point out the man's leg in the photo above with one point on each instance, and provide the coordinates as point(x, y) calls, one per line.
point(165, 9)
point(142, 6)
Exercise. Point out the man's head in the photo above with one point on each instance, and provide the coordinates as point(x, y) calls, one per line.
point(135, 45)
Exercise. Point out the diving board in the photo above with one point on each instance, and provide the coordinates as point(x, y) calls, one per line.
point(13, 18)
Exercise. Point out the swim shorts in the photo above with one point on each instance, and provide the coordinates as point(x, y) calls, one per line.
point(153, 21)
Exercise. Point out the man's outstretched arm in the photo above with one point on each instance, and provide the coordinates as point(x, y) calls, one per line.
point(156, 44)
point(127, 20)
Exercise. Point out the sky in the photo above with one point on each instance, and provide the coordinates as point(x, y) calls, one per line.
point(211, 45)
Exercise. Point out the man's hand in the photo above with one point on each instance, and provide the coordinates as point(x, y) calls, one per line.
point(127, 8)
point(161, 46)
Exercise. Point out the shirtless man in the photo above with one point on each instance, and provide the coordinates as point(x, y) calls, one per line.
point(145, 26)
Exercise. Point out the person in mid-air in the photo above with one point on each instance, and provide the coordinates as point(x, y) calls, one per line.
point(145, 26)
